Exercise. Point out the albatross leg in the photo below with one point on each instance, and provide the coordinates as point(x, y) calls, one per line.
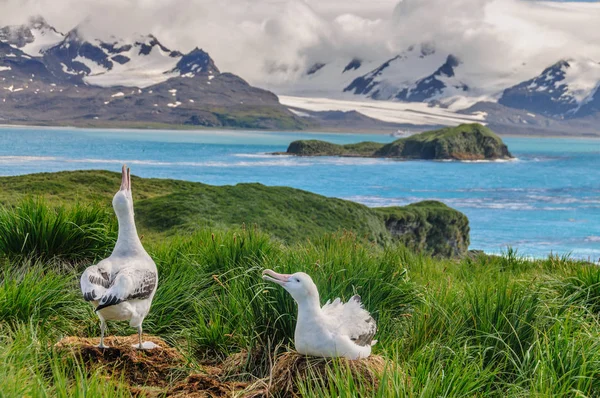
point(146, 345)
point(141, 346)
point(102, 329)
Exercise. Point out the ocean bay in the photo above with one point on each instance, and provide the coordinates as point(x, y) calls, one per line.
point(547, 200)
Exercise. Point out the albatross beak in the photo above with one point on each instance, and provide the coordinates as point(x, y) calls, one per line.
point(124, 179)
point(272, 276)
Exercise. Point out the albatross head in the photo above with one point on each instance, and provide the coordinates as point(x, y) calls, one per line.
point(123, 201)
point(299, 285)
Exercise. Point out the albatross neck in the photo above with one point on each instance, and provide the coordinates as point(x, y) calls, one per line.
point(309, 307)
point(128, 241)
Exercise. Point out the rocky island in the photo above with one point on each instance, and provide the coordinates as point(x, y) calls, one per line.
point(464, 142)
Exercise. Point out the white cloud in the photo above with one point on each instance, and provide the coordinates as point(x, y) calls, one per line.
point(269, 42)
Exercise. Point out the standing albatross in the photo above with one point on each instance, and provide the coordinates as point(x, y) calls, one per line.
point(122, 286)
point(336, 330)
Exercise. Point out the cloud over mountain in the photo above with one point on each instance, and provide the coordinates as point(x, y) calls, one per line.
point(274, 42)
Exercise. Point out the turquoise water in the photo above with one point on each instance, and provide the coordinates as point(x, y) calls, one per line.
point(547, 200)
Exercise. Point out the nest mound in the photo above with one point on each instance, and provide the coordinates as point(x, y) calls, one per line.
point(207, 386)
point(158, 367)
point(243, 363)
point(291, 366)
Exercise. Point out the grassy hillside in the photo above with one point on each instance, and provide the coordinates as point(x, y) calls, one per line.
point(428, 224)
point(463, 142)
point(167, 207)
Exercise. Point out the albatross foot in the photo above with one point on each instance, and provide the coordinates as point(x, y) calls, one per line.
point(146, 345)
point(102, 346)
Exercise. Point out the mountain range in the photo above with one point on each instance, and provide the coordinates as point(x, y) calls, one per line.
point(563, 96)
point(47, 77)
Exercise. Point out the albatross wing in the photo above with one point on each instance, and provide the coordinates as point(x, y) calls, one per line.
point(351, 319)
point(94, 282)
point(129, 284)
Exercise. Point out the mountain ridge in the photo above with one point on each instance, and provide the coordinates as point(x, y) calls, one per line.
point(82, 82)
point(562, 97)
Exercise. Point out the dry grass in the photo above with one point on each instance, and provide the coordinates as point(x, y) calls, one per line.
point(207, 386)
point(160, 372)
point(158, 367)
point(291, 367)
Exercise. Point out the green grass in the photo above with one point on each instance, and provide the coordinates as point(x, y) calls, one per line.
point(489, 326)
point(33, 229)
point(486, 326)
point(266, 117)
point(324, 148)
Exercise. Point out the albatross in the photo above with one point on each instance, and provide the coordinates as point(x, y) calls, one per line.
point(121, 287)
point(335, 330)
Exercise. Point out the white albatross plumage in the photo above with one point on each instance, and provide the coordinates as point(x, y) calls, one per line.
point(122, 286)
point(335, 330)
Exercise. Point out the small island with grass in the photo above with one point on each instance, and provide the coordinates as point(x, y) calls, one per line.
point(464, 142)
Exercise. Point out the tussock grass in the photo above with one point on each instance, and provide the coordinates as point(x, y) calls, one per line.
point(583, 288)
point(493, 326)
point(33, 293)
point(36, 230)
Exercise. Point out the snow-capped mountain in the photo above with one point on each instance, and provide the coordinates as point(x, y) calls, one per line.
point(559, 91)
point(567, 89)
point(418, 74)
point(138, 62)
point(141, 62)
point(32, 38)
point(16, 66)
point(590, 106)
point(194, 62)
point(387, 80)
point(441, 83)
point(322, 79)
point(91, 82)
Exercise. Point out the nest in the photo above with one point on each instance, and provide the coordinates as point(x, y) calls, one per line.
point(291, 367)
point(207, 386)
point(157, 367)
point(244, 363)
point(159, 372)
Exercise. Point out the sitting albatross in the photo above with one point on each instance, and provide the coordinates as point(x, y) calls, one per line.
point(122, 286)
point(336, 330)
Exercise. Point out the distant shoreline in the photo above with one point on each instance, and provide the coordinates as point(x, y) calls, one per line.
point(192, 129)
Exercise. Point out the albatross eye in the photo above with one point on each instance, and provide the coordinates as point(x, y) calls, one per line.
point(297, 279)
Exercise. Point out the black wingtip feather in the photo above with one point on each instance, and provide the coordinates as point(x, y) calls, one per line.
point(111, 300)
point(89, 296)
